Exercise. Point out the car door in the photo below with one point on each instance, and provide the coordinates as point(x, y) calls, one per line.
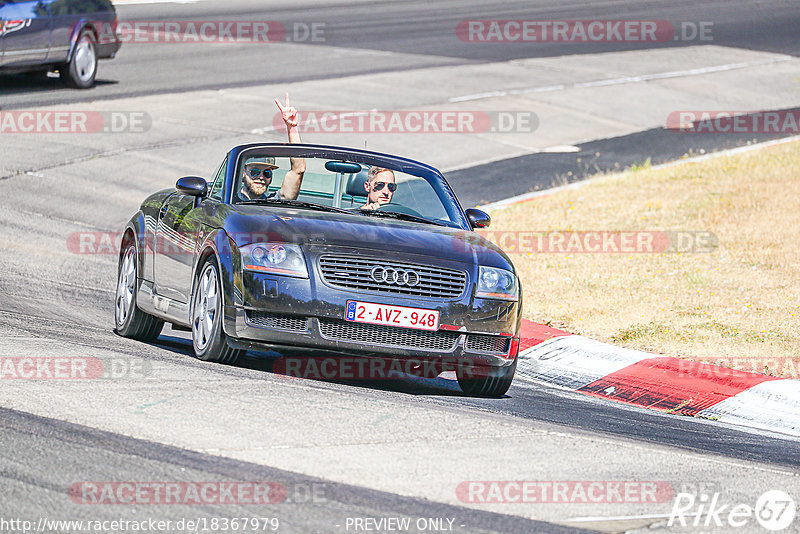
point(177, 233)
point(26, 28)
point(67, 15)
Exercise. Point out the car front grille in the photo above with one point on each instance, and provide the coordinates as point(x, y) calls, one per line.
point(483, 343)
point(388, 335)
point(352, 272)
point(277, 321)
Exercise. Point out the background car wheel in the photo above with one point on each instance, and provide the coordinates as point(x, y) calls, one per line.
point(130, 320)
point(486, 381)
point(81, 71)
point(208, 337)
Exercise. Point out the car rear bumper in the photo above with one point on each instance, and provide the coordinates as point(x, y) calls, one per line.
point(108, 50)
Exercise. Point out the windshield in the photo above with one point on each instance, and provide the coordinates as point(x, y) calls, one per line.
point(362, 190)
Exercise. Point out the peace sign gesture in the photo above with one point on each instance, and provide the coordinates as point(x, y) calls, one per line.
point(288, 112)
point(294, 178)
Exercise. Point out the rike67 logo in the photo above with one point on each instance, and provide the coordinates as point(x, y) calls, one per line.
point(775, 511)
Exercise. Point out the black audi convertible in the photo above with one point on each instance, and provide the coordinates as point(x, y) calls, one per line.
point(371, 256)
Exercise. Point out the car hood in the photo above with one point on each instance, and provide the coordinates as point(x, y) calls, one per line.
point(248, 224)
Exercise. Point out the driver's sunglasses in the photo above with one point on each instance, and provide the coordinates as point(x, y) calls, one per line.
point(255, 172)
point(377, 186)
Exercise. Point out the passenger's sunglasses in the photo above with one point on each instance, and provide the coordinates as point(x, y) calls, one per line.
point(377, 186)
point(256, 172)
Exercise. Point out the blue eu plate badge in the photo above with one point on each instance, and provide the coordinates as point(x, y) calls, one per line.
point(351, 310)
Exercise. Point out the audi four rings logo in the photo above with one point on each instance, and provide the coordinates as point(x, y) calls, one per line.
point(390, 275)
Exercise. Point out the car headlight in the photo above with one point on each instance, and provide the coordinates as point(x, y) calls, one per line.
point(496, 283)
point(275, 258)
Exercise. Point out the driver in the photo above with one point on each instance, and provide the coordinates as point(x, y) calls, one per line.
point(257, 172)
point(380, 187)
point(256, 177)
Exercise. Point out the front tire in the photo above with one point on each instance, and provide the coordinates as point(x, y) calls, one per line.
point(208, 337)
point(81, 71)
point(130, 320)
point(486, 382)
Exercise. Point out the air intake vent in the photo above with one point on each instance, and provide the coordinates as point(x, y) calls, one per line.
point(490, 344)
point(277, 321)
point(388, 335)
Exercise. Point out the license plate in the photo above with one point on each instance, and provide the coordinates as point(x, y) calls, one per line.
point(386, 314)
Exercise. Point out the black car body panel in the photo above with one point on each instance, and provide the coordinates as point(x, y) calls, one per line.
point(35, 34)
point(175, 234)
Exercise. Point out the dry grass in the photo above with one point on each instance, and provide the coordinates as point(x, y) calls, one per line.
point(738, 305)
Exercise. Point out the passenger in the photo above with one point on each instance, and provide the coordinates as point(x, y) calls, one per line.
point(380, 187)
point(257, 172)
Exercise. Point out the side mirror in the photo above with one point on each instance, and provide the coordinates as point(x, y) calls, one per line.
point(194, 186)
point(478, 218)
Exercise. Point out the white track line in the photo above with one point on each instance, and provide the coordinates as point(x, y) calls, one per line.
point(624, 80)
point(619, 518)
point(144, 2)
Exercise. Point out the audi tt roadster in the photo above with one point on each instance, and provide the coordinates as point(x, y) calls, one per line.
point(323, 248)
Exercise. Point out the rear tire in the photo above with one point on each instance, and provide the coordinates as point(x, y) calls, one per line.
point(208, 337)
point(130, 320)
point(81, 71)
point(486, 381)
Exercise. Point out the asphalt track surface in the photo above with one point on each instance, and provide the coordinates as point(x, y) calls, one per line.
point(414, 35)
point(311, 505)
point(52, 302)
point(417, 33)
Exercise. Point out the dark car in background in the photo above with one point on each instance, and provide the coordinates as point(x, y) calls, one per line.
point(64, 35)
point(410, 279)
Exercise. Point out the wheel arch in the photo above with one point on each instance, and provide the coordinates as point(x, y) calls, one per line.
point(220, 246)
point(83, 24)
point(135, 232)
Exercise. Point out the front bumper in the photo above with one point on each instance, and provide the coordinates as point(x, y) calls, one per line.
point(279, 311)
point(316, 335)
